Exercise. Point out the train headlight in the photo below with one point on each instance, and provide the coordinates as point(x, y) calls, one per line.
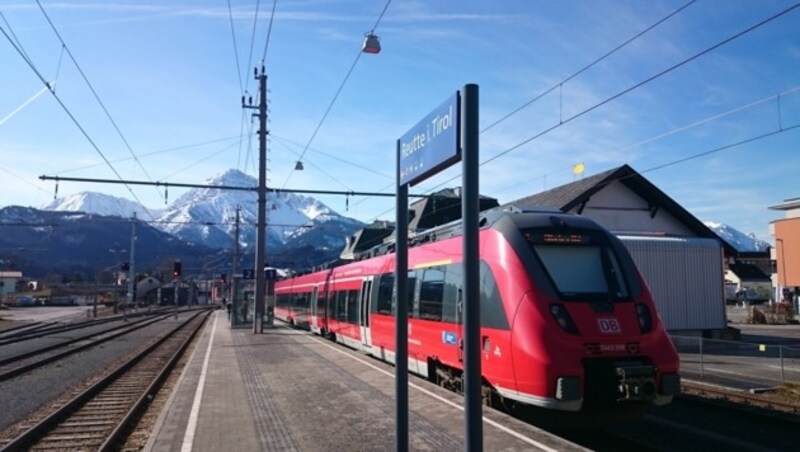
point(563, 319)
point(645, 319)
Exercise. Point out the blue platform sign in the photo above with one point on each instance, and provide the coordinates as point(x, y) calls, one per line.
point(248, 273)
point(432, 145)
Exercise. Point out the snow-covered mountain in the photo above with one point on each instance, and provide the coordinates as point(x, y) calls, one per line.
point(207, 216)
point(100, 204)
point(737, 239)
point(82, 246)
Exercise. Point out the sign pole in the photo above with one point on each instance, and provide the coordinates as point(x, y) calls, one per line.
point(470, 211)
point(430, 146)
point(401, 327)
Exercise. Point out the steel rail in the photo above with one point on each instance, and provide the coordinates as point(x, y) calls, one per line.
point(58, 328)
point(47, 360)
point(149, 394)
point(47, 348)
point(40, 430)
point(691, 389)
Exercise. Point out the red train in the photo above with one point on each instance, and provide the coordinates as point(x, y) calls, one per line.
point(567, 322)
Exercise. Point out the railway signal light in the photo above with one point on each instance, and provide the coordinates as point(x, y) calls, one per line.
point(177, 269)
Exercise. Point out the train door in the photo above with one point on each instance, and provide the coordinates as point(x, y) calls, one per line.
point(314, 320)
point(364, 310)
point(324, 307)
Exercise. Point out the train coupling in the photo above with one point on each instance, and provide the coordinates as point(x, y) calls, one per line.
point(636, 383)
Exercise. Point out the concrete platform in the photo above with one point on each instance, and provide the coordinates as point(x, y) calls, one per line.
point(290, 390)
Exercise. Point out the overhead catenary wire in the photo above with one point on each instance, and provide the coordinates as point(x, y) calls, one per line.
point(654, 168)
point(23, 180)
point(152, 153)
point(317, 167)
point(199, 161)
point(73, 118)
point(252, 42)
point(94, 93)
point(630, 89)
point(705, 120)
point(235, 48)
point(269, 30)
point(284, 140)
point(624, 92)
point(560, 84)
point(336, 95)
point(15, 40)
point(597, 60)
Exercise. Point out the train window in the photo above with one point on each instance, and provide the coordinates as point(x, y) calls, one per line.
point(385, 289)
point(412, 285)
point(341, 305)
point(331, 308)
point(431, 294)
point(453, 279)
point(386, 294)
point(493, 315)
point(303, 302)
point(352, 306)
point(585, 271)
point(321, 297)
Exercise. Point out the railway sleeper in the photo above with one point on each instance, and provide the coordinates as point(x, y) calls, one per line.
point(88, 424)
point(63, 428)
point(112, 404)
point(57, 437)
point(64, 445)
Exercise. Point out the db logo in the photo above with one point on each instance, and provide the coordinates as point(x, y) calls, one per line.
point(609, 326)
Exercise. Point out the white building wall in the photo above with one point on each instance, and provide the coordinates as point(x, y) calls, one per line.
point(619, 209)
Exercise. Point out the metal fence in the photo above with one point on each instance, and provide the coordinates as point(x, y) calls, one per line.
point(738, 364)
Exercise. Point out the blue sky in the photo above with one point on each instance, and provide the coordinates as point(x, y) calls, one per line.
point(167, 73)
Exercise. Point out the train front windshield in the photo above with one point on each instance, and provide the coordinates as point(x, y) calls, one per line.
point(581, 264)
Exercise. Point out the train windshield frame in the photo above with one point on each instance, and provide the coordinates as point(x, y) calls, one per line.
point(581, 264)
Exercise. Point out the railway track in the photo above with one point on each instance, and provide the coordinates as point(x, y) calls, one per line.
point(46, 329)
point(23, 329)
point(99, 417)
point(25, 362)
point(740, 397)
point(699, 423)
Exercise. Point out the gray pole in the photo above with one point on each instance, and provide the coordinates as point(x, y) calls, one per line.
point(177, 294)
point(258, 320)
point(473, 410)
point(132, 274)
point(401, 327)
point(235, 265)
